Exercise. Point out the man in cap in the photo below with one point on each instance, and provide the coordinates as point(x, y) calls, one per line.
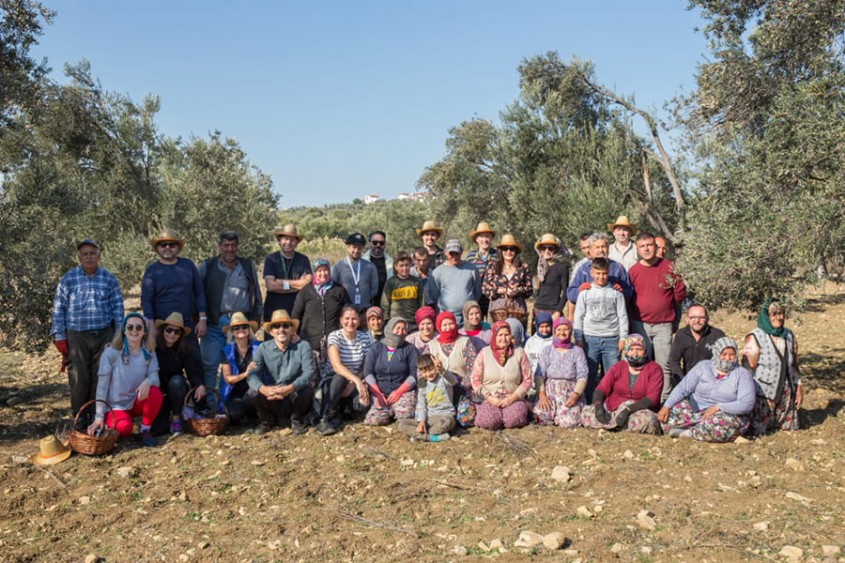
point(381, 260)
point(285, 272)
point(481, 256)
point(623, 249)
point(289, 366)
point(87, 309)
point(454, 282)
point(173, 284)
point(358, 277)
point(429, 234)
point(231, 286)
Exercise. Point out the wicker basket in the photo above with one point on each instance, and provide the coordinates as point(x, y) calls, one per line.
point(207, 426)
point(82, 443)
point(511, 310)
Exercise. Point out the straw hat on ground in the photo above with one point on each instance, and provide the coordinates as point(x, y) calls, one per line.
point(167, 236)
point(280, 316)
point(622, 221)
point(482, 227)
point(508, 240)
point(288, 230)
point(50, 451)
point(174, 319)
point(239, 319)
point(547, 239)
point(430, 226)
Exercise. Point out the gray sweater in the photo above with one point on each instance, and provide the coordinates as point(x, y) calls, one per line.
point(452, 286)
point(600, 311)
point(117, 382)
point(434, 398)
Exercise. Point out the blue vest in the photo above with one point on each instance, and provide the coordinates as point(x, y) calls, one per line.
point(229, 352)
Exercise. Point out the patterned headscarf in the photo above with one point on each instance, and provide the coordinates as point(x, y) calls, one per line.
point(723, 366)
point(321, 288)
point(764, 323)
point(501, 354)
point(560, 342)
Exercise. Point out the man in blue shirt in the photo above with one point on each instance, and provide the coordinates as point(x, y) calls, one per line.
point(87, 309)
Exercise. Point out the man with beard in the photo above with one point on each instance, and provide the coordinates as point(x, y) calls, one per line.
point(381, 260)
point(358, 277)
point(692, 343)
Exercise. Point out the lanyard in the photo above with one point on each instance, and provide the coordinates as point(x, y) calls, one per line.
point(285, 266)
point(356, 276)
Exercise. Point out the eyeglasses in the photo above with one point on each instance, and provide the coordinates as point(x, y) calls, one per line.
point(168, 244)
point(172, 330)
point(509, 249)
point(377, 242)
point(240, 328)
point(134, 328)
point(549, 248)
point(698, 318)
point(277, 326)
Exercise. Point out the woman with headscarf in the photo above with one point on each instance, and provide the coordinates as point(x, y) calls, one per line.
point(425, 333)
point(771, 354)
point(390, 372)
point(562, 373)
point(541, 338)
point(552, 276)
point(235, 365)
point(629, 393)
point(127, 379)
point(375, 323)
point(501, 377)
point(474, 326)
point(507, 279)
point(317, 308)
point(713, 402)
point(517, 332)
point(456, 353)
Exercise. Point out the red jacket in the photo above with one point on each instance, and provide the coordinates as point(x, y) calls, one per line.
point(616, 390)
point(657, 289)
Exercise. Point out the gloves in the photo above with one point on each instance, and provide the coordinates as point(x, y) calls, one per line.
point(622, 418)
point(583, 286)
point(601, 414)
point(396, 395)
point(61, 346)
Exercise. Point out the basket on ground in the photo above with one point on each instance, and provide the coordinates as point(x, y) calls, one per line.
point(82, 443)
point(214, 425)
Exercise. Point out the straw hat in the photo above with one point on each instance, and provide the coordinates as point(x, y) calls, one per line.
point(167, 235)
point(288, 230)
point(482, 227)
point(430, 226)
point(174, 319)
point(508, 240)
point(280, 316)
point(622, 221)
point(547, 239)
point(50, 451)
point(239, 319)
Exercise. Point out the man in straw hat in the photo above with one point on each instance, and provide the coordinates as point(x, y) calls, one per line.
point(285, 272)
point(481, 256)
point(289, 365)
point(454, 282)
point(173, 284)
point(429, 234)
point(623, 249)
point(231, 285)
point(87, 308)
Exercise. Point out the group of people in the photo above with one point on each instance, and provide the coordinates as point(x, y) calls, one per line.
point(405, 339)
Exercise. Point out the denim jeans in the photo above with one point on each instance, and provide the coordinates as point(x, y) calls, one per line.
point(599, 349)
point(658, 341)
point(212, 351)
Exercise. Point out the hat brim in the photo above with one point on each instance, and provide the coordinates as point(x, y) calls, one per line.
point(294, 322)
point(278, 234)
point(473, 234)
point(185, 330)
point(38, 459)
point(154, 242)
point(251, 324)
point(540, 243)
point(631, 227)
point(519, 245)
point(438, 231)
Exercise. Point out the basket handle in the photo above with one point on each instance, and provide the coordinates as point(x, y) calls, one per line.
point(208, 390)
point(86, 405)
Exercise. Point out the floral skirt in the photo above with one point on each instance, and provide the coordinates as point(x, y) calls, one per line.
point(643, 421)
point(784, 415)
point(382, 415)
point(558, 391)
point(490, 417)
point(721, 427)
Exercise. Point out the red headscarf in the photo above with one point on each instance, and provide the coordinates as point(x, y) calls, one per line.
point(424, 313)
point(450, 336)
point(501, 354)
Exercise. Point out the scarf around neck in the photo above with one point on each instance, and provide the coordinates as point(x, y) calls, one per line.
point(764, 323)
point(501, 354)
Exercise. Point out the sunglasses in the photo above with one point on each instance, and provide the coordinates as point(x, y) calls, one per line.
point(168, 244)
point(277, 326)
point(172, 330)
point(549, 248)
point(240, 328)
point(134, 328)
point(377, 242)
point(509, 249)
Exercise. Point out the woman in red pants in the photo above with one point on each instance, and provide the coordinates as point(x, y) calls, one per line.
point(128, 381)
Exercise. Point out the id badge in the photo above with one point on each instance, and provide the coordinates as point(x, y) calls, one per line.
point(285, 285)
point(357, 298)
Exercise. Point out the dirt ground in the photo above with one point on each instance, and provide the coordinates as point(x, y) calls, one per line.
point(367, 494)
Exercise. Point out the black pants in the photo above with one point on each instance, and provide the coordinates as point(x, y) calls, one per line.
point(295, 406)
point(83, 363)
point(174, 391)
point(241, 406)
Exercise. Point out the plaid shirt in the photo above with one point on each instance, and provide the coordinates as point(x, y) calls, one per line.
point(85, 302)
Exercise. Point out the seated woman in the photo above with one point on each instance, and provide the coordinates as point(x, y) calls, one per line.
point(375, 323)
point(501, 377)
point(713, 402)
point(348, 349)
point(562, 378)
point(235, 365)
point(128, 380)
point(474, 326)
point(176, 360)
point(456, 353)
point(771, 354)
point(425, 330)
point(628, 394)
point(391, 376)
point(317, 308)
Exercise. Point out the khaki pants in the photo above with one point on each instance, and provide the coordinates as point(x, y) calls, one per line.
point(436, 425)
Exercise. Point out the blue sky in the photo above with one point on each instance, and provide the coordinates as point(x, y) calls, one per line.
point(340, 99)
